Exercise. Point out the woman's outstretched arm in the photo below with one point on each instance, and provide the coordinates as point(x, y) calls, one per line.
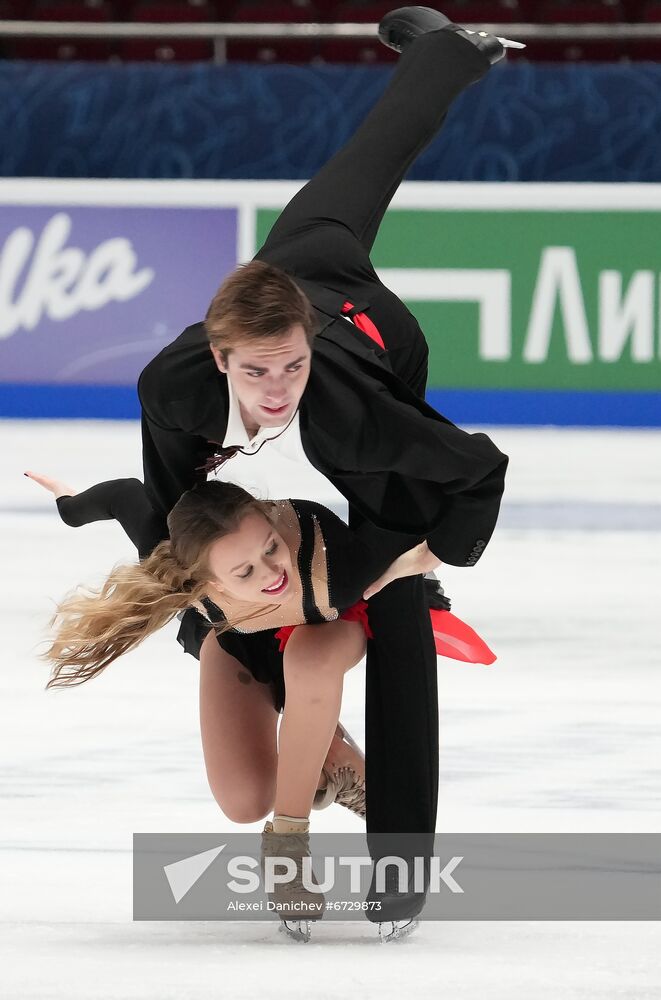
point(123, 500)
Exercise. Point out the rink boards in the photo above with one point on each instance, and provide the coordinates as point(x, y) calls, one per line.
point(540, 302)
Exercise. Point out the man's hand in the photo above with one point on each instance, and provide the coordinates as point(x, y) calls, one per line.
point(418, 560)
point(53, 486)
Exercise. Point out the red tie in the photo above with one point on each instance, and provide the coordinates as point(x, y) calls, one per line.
point(365, 324)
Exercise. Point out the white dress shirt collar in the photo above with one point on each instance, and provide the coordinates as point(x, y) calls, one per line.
point(236, 434)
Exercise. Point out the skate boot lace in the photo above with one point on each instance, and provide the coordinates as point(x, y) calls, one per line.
point(350, 788)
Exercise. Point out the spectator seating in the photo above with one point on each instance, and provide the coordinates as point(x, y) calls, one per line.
point(270, 50)
point(169, 49)
point(64, 48)
point(274, 49)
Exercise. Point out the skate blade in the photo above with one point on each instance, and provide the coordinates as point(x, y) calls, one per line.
point(352, 743)
point(395, 930)
point(299, 930)
point(506, 43)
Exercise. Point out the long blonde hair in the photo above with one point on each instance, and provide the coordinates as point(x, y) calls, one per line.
point(95, 627)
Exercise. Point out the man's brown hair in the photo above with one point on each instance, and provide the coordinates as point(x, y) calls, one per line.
point(257, 301)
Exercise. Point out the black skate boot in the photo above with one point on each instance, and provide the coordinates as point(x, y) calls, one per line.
point(397, 912)
point(400, 27)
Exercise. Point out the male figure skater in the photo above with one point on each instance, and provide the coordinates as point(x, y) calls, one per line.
point(305, 346)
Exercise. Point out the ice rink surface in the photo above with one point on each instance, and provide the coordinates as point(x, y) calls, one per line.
point(562, 733)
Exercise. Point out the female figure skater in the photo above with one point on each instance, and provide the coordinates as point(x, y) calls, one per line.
point(277, 586)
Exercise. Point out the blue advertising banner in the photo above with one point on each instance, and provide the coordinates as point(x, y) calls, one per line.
point(89, 294)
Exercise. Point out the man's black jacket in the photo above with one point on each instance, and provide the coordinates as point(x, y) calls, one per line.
point(401, 464)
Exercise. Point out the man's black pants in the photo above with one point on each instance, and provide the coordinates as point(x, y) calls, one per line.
point(325, 235)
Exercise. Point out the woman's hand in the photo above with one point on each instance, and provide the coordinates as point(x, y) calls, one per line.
point(53, 486)
point(418, 560)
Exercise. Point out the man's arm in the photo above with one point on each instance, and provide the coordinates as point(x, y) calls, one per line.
point(408, 468)
point(474, 506)
point(184, 403)
point(171, 459)
point(467, 512)
point(468, 473)
point(443, 476)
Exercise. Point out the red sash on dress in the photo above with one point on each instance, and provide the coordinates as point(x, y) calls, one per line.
point(452, 637)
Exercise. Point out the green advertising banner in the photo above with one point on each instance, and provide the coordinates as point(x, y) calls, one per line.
point(540, 303)
point(528, 299)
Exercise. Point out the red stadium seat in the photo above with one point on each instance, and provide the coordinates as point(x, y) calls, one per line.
point(172, 11)
point(272, 50)
point(13, 10)
point(361, 13)
point(651, 13)
point(166, 50)
point(16, 10)
point(326, 9)
point(522, 10)
point(577, 50)
point(254, 12)
point(346, 50)
point(169, 49)
point(632, 10)
point(644, 51)
point(544, 50)
point(605, 12)
point(72, 10)
point(481, 13)
point(461, 12)
point(66, 48)
point(358, 50)
point(267, 50)
point(648, 50)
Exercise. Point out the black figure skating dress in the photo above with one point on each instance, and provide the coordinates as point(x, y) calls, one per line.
point(333, 565)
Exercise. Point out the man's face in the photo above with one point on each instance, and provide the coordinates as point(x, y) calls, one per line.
point(269, 377)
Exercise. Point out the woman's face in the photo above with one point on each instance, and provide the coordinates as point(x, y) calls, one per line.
point(252, 563)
